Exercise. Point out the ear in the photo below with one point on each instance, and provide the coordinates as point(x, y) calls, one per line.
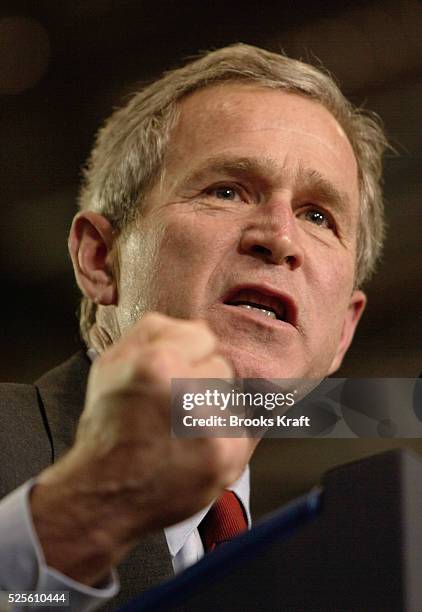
point(91, 241)
point(353, 314)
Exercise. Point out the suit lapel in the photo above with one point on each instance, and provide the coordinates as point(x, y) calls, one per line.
point(146, 566)
point(62, 393)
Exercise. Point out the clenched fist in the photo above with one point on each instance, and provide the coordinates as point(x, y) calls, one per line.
point(125, 475)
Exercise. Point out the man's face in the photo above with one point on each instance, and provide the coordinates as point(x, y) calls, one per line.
point(255, 218)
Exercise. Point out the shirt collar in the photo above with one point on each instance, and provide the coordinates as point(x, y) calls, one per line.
point(92, 354)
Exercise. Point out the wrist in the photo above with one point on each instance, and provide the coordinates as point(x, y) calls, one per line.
point(83, 532)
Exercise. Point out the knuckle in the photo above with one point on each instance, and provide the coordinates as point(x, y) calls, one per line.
point(203, 328)
point(201, 324)
point(222, 368)
point(152, 317)
point(160, 362)
point(155, 367)
point(148, 326)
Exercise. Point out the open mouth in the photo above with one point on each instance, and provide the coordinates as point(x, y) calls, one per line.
point(265, 302)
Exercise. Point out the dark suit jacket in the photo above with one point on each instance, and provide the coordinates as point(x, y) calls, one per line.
point(37, 425)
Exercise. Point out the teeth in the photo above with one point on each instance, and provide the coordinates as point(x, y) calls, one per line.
point(253, 298)
point(267, 313)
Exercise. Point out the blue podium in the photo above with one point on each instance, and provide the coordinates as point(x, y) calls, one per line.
point(352, 545)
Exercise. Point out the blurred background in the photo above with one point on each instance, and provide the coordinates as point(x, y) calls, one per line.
point(64, 65)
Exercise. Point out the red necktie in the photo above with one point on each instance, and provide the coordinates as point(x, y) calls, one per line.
point(224, 520)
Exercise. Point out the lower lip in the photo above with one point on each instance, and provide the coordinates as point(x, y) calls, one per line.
point(254, 316)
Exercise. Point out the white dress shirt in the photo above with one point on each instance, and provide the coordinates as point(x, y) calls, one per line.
point(22, 563)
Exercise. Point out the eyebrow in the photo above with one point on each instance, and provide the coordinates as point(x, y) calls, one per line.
point(235, 166)
point(265, 169)
point(312, 181)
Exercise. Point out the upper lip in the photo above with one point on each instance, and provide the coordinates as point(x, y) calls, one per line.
point(284, 303)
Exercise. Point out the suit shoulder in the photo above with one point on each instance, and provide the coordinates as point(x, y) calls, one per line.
point(17, 400)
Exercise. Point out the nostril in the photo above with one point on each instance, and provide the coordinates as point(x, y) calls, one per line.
point(261, 250)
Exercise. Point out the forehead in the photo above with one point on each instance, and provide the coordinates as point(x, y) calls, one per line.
point(235, 102)
point(237, 117)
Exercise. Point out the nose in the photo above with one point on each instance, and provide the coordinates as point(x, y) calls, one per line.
point(272, 235)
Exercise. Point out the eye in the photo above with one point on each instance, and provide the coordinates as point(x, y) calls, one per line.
point(319, 217)
point(225, 192)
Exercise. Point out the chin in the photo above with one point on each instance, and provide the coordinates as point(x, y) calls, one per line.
point(255, 365)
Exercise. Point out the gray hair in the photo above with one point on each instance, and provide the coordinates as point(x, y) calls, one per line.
point(129, 150)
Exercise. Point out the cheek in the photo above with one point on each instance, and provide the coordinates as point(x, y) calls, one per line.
point(181, 268)
point(332, 289)
point(333, 270)
point(180, 243)
point(194, 243)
